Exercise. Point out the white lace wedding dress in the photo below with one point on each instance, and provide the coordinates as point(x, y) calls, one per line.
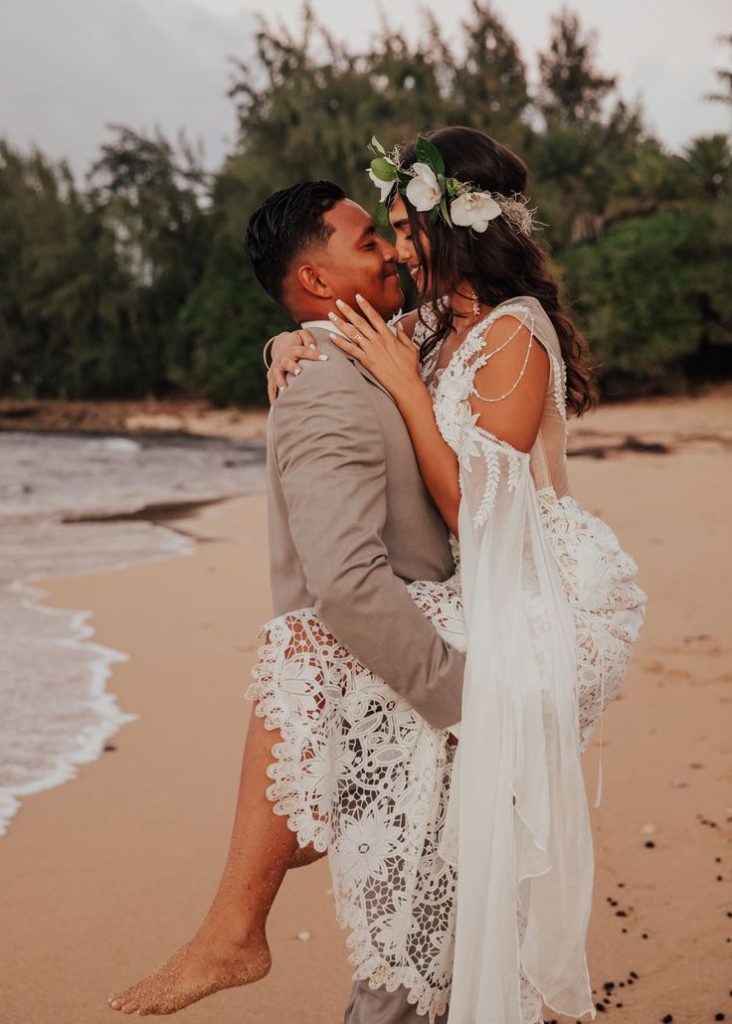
point(552, 611)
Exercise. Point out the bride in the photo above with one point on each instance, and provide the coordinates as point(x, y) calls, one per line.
point(544, 603)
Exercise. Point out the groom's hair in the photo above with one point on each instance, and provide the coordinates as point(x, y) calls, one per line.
point(286, 224)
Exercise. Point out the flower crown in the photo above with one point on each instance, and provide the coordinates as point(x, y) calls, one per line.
point(457, 203)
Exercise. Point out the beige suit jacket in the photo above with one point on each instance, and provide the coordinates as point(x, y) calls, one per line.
point(351, 523)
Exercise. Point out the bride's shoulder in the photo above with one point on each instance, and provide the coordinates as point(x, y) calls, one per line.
point(519, 304)
point(407, 321)
point(530, 311)
point(418, 323)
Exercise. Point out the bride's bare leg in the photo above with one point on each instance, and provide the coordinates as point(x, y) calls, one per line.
point(230, 947)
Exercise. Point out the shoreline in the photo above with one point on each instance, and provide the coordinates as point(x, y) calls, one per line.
point(174, 768)
point(145, 827)
point(178, 420)
point(34, 590)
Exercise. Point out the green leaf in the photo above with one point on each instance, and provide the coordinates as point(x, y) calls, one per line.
point(445, 211)
point(382, 216)
point(429, 154)
point(383, 169)
point(376, 146)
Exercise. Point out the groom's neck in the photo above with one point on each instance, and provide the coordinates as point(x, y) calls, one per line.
point(314, 311)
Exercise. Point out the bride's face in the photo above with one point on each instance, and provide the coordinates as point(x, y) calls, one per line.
point(404, 242)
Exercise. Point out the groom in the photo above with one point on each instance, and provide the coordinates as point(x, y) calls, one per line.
point(350, 521)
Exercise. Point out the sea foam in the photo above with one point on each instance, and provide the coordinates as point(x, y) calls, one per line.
point(60, 499)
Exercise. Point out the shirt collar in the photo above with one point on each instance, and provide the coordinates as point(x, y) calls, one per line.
point(324, 325)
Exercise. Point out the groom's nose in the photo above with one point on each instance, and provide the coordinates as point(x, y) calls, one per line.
point(388, 252)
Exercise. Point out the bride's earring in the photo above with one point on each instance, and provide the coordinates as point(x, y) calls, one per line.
point(476, 303)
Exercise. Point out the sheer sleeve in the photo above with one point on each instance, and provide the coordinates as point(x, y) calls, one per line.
point(518, 824)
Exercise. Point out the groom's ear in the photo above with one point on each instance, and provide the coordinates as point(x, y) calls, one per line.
point(309, 277)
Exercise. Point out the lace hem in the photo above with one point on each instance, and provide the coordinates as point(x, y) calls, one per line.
point(276, 710)
point(359, 773)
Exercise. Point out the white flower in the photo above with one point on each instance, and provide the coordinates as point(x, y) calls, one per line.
point(474, 210)
point(423, 191)
point(384, 187)
point(392, 929)
point(299, 684)
point(330, 762)
point(365, 845)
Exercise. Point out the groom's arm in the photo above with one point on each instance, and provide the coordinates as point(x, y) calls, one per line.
point(332, 463)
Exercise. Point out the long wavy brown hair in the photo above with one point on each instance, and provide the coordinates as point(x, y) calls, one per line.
point(499, 263)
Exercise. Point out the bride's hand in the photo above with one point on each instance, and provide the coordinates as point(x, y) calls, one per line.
point(288, 349)
point(390, 355)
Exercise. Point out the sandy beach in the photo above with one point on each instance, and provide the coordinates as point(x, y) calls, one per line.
point(105, 875)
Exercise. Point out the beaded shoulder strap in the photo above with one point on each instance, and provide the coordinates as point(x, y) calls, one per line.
point(472, 358)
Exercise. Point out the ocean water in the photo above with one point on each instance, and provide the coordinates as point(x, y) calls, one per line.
point(69, 505)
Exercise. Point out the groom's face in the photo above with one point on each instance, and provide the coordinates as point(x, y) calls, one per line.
point(358, 259)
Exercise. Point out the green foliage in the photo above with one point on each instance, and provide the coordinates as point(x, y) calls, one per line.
point(652, 294)
point(138, 282)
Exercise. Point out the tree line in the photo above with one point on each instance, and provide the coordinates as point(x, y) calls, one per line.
point(136, 283)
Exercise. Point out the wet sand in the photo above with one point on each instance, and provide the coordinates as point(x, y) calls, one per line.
point(104, 876)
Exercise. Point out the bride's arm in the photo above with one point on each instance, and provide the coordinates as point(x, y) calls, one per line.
point(437, 462)
point(509, 385)
point(289, 347)
point(394, 360)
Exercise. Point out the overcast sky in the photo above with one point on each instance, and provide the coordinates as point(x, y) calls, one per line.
point(67, 67)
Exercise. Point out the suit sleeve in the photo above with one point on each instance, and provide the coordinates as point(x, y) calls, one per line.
point(332, 463)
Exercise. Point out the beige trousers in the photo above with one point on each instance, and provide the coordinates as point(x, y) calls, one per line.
point(377, 1006)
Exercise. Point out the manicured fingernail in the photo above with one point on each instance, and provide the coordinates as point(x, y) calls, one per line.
point(312, 346)
point(333, 337)
point(296, 371)
point(340, 303)
point(332, 316)
point(359, 296)
point(280, 389)
point(323, 357)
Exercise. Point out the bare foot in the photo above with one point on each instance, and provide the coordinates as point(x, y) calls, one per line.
point(200, 967)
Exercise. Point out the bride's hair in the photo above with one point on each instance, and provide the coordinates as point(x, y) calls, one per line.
point(501, 262)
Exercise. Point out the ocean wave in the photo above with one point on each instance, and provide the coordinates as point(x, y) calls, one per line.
point(59, 496)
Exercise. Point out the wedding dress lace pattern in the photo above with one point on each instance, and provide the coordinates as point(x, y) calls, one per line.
point(358, 773)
